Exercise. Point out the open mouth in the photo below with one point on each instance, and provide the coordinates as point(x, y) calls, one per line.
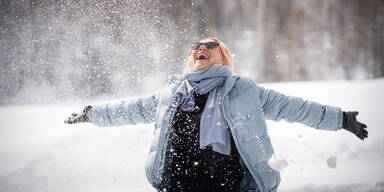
point(201, 57)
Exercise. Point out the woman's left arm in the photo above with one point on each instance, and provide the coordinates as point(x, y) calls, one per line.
point(277, 106)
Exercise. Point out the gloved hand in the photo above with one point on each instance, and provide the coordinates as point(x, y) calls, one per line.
point(351, 124)
point(79, 117)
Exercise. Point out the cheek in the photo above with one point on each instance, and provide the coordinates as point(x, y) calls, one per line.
point(218, 58)
point(193, 54)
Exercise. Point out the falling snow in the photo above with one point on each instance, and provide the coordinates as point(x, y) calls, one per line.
point(61, 55)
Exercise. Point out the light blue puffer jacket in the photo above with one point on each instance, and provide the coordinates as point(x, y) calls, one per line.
point(246, 106)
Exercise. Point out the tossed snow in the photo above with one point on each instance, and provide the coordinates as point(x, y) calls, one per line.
point(332, 162)
point(278, 162)
point(38, 152)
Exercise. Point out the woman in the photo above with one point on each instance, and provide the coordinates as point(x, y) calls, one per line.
point(210, 129)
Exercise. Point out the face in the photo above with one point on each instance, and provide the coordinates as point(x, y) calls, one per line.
point(204, 57)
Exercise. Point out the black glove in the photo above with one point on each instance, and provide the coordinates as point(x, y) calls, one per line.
point(79, 117)
point(351, 124)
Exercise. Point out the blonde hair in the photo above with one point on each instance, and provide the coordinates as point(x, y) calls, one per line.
point(228, 60)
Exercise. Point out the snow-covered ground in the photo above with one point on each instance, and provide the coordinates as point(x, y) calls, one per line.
point(38, 152)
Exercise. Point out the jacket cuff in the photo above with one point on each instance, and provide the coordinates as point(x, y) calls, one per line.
point(340, 120)
point(99, 116)
point(332, 119)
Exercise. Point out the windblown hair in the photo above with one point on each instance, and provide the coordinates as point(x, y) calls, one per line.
point(228, 60)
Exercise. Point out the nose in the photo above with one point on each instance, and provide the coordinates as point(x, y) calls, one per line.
point(202, 48)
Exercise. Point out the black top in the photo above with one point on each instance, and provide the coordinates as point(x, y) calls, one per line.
point(195, 169)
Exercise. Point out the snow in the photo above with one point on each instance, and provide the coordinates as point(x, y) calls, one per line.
point(332, 162)
point(278, 162)
point(359, 162)
point(38, 152)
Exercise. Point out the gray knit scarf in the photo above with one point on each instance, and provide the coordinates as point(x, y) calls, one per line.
point(213, 127)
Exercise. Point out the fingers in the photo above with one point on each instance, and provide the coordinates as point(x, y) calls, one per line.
point(362, 134)
point(68, 121)
point(365, 133)
point(71, 120)
point(79, 118)
point(360, 131)
point(363, 125)
point(360, 137)
point(363, 130)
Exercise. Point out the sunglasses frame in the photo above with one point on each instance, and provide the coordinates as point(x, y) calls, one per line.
point(208, 45)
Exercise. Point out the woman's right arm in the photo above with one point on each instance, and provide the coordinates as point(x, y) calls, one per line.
point(132, 111)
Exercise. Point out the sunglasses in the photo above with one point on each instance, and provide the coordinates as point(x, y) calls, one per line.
point(208, 45)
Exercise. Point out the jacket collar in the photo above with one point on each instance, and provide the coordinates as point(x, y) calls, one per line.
point(229, 83)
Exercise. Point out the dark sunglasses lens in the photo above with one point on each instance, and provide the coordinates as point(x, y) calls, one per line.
point(211, 45)
point(195, 46)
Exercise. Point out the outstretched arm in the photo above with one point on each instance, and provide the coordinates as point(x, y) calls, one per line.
point(277, 106)
point(133, 111)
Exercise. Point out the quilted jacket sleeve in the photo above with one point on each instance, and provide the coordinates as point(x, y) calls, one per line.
point(277, 106)
point(133, 111)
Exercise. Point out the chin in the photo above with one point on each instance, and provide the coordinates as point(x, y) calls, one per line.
point(201, 65)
